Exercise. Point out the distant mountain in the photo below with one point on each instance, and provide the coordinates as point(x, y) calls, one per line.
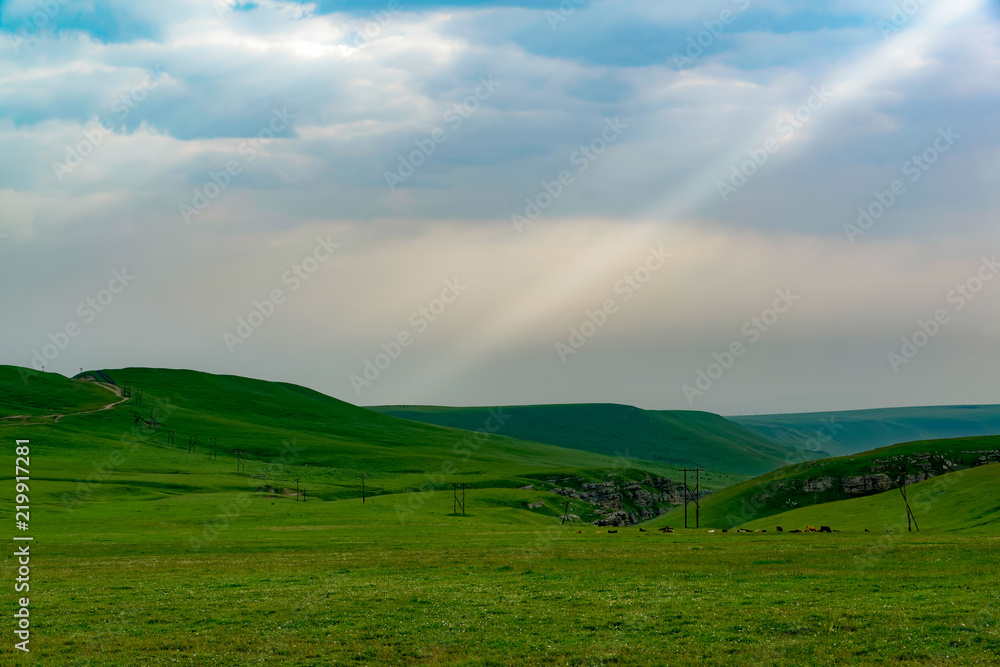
point(675, 437)
point(853, 431)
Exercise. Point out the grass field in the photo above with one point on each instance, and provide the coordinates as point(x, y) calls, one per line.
point(145, 554)
point(323, 586)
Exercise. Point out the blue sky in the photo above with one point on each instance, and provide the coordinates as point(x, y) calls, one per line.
point(419, 133)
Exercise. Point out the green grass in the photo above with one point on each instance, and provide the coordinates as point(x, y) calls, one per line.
point(682, 438)
point(32, 393)
point(783, 489)
point(967, 500)
point(147, 555)
point(853, 431)
point(330, 586)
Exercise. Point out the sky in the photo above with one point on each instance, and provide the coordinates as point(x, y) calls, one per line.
point(736, 206)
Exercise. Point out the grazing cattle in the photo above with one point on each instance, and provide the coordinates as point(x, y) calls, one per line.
point(867, 531)
point(795, 531)
point(725, 530)
point(642, 530)
point(780, 529)
point(810, 529)
point(742, 530)
point(612, 531)
point(825, 529)
point(762, 530)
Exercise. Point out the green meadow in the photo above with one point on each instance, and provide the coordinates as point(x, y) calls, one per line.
point(147, 554)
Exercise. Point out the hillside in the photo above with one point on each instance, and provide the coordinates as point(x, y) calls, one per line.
point(178, 444)
point(968, 500)
point(29, 393)
point(676, 437)
point(850, 432)
point(830, 480)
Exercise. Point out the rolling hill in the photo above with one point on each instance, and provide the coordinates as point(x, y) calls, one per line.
point(853, 431)
point(967, 500)
point(177, 445)
point(679, 438)
point(829, 480)
point(25, 393)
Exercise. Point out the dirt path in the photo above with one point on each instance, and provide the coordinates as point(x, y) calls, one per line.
point(55, 418)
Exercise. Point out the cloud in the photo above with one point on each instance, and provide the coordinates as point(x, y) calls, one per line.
point(185, 93)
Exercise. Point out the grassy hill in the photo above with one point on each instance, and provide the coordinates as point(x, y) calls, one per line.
point(677, 437)
point(967, 500)
point(289, 433)
point(829, 480)
point(853, 431)
point(145, 554)
point(30, 393)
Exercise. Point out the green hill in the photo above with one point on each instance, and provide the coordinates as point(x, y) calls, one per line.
point(829, 480)
point(177, 445)
point(853, 431)
point(967, 500)
point(675, 437)
point(29, 393)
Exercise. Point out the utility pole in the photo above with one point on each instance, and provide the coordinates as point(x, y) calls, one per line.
point(911, 519)
point(363, 489)
point(697, 498)
point(297, 479)
point(241, 465)
point(456, 503)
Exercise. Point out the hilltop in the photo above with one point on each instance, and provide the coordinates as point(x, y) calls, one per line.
point(679, 438)
point(853, 431)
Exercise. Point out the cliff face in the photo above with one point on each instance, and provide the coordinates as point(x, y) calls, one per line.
point(819, 481)
point(628, 502)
